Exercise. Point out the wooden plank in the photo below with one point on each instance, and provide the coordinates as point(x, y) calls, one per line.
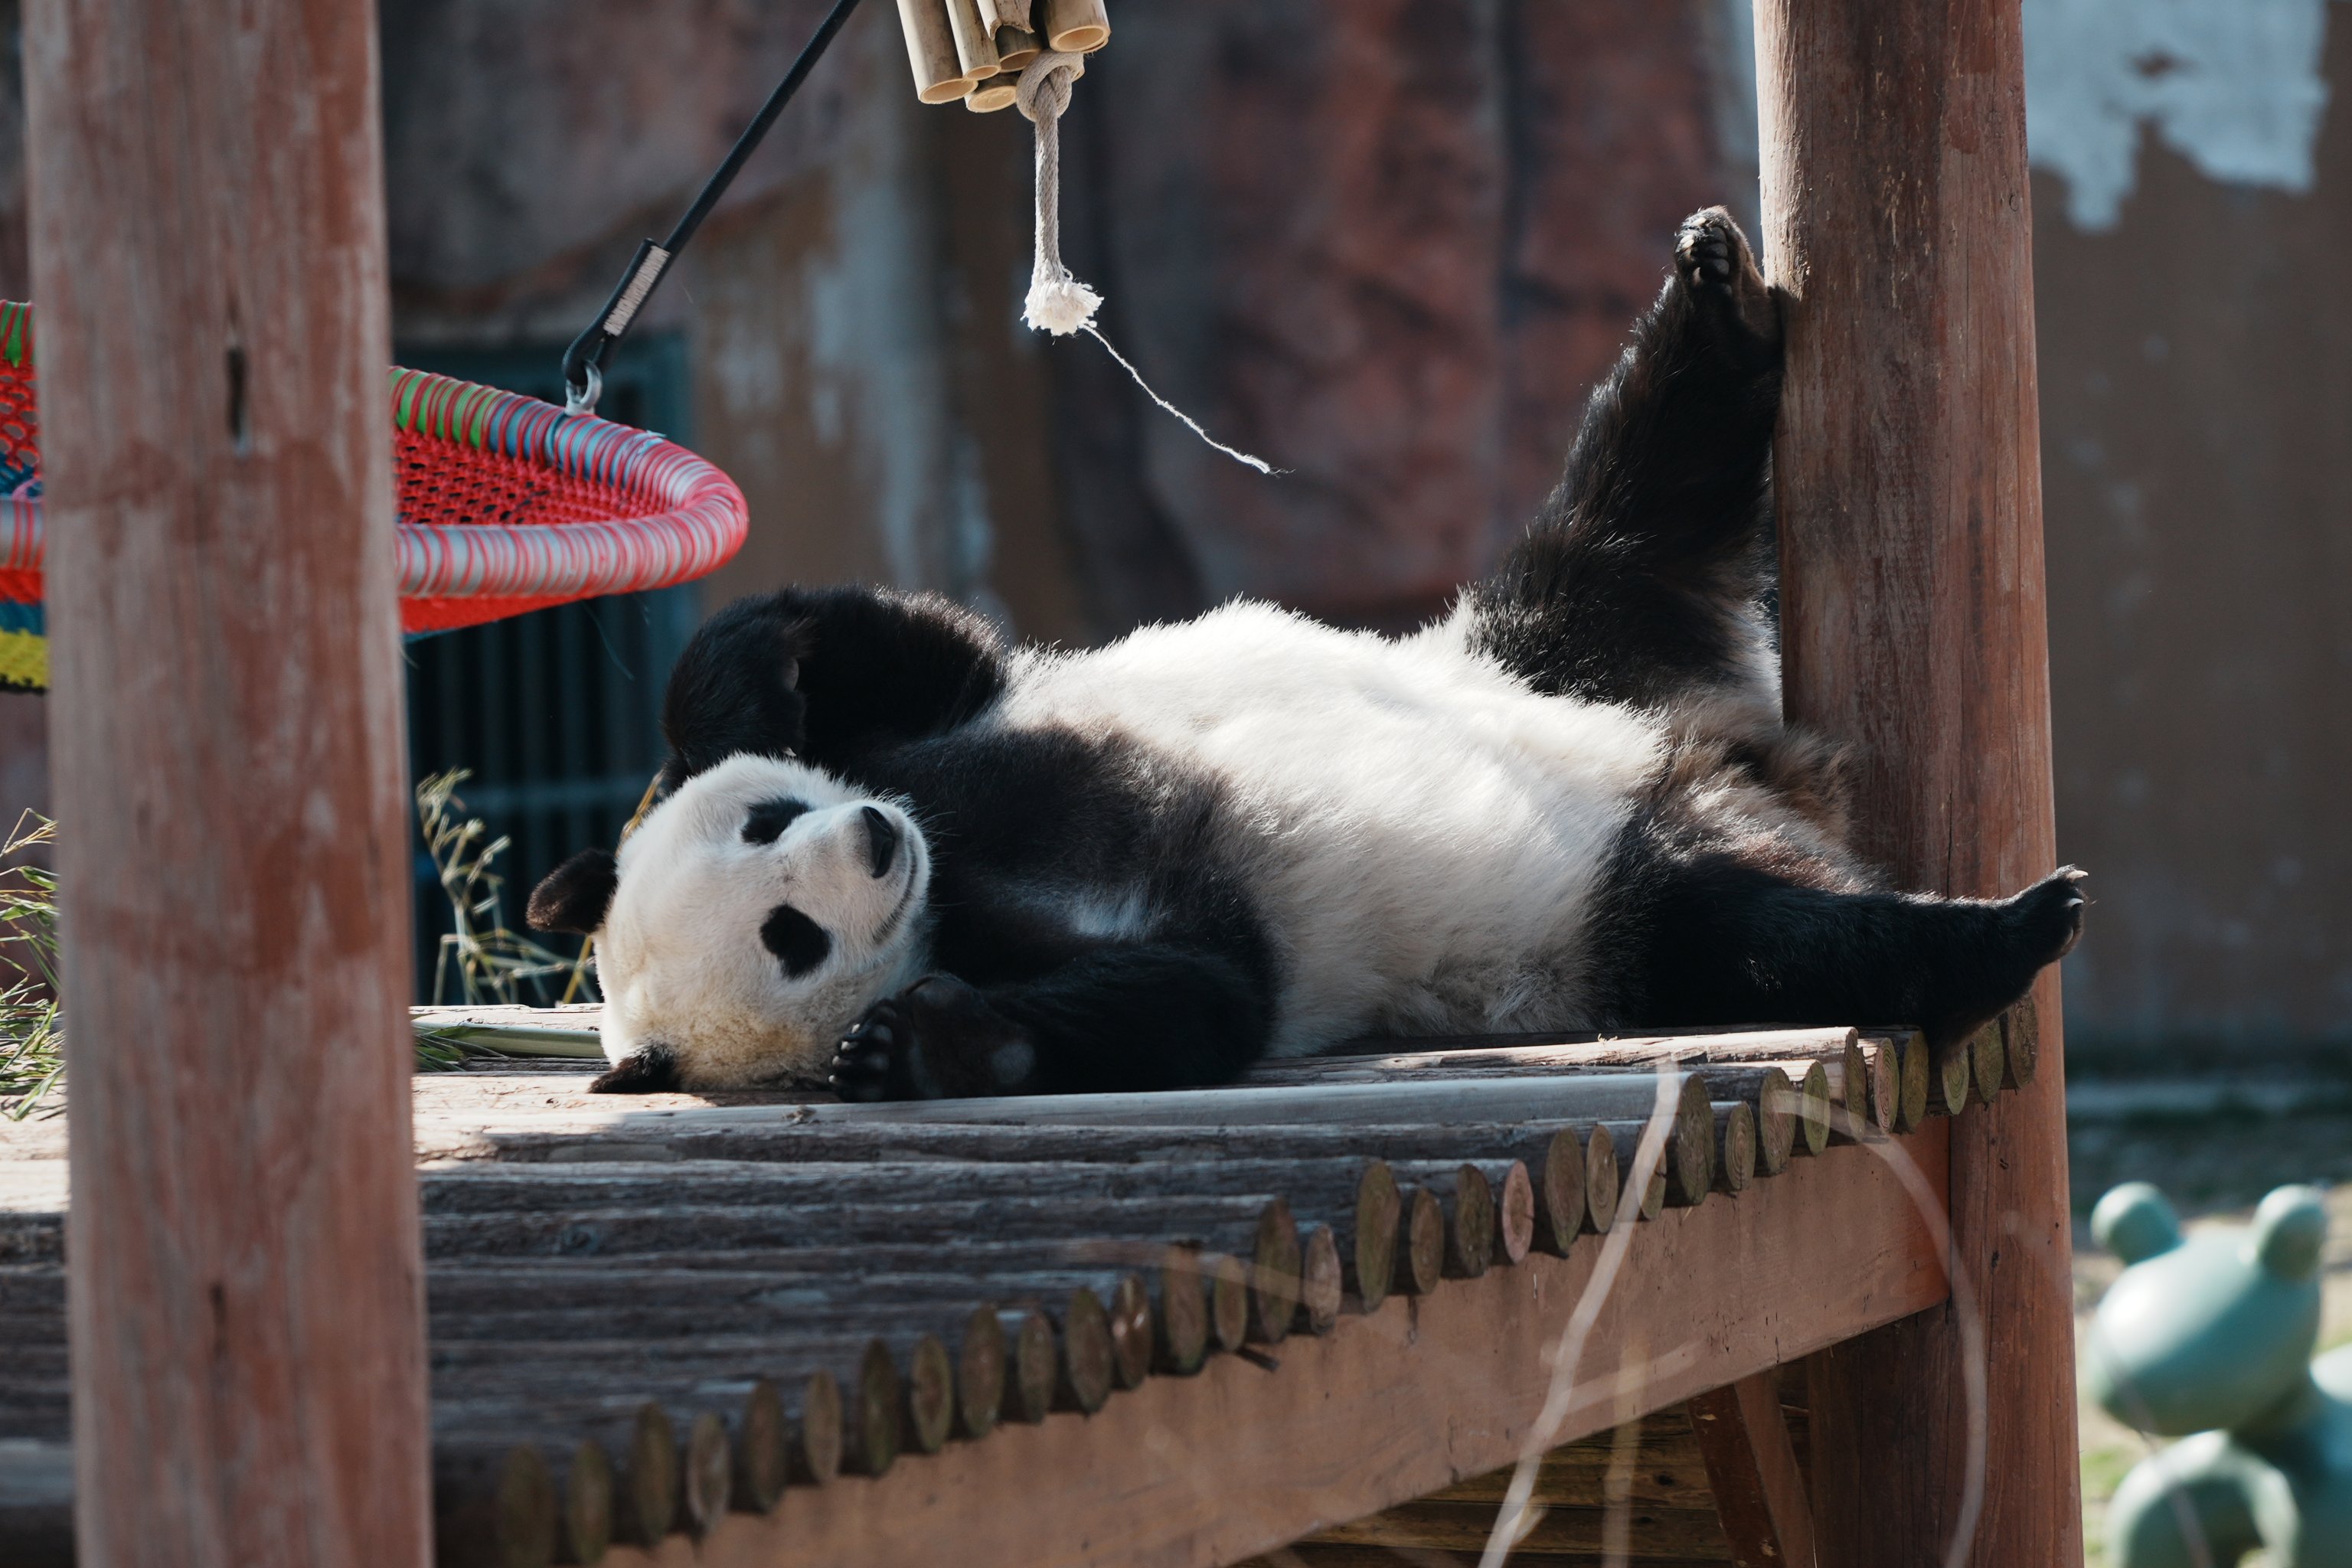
point(1751, 1469)
point(1675, 1535)
point(207, 245)
point(1386, 1407)
point(1897, 219)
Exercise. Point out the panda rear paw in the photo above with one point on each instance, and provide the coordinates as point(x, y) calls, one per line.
point(939, 1039)
point(2048, 916)
point(1712, 259)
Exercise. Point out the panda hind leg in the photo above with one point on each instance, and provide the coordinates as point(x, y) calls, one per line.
point(1641, 578)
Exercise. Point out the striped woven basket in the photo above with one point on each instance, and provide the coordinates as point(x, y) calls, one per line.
point(506, 504)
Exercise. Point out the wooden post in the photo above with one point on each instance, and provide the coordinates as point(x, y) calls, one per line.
point(246, 1302)
point(1898, 218)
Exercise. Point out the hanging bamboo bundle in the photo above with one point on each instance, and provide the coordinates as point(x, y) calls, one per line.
point(971, 50)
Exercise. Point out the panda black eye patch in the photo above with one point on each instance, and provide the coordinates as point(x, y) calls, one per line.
point(768, 820)
point(798, 942)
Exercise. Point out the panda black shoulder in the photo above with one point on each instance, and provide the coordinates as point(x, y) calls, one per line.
point(829, 674)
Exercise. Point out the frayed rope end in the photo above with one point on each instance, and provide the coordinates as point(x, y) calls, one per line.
point(1060, 306)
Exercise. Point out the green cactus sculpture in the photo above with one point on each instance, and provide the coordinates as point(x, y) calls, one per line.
point(2209, 1340)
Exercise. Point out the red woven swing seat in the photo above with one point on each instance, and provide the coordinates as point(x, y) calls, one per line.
point(505, 503)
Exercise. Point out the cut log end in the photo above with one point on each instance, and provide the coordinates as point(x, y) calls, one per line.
point(979, 1372)
point(2020, 1034)
point(1420, 1242)
point(1076, 26)
point(1371, 1258)
point(762, 1449)
point(1037, 1367)
point(588, 1502)
point(1779, 1108)
point(1274, 1273)
point(1952, 1082)
point(1470, 1225)
point(1184, 1320)
point(871, 1419)
point(1988, 1062)
point(1087, 1357)
point(1320, 1283)
point(1229, 1302)
point(1514, 1213)
point(817, 1434)
point(1603, 1179)
point(710, 1471)
point(651, 1491)
point(525, 1524)
point(1130, 1331)
point(928, 1398)
point(1735, 1141)
point(1560, 1193)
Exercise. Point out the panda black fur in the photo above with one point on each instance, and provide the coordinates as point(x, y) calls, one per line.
point(896, 855)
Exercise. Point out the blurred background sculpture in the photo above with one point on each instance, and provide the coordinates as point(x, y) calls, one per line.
point(2209, 1338)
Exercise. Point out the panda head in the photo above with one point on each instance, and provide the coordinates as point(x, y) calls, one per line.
point(751, 919)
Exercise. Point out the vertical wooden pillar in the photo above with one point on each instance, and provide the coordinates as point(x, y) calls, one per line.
point(208, 263)
point(1896, 214)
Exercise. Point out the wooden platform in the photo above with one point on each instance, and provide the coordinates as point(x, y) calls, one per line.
point(761, 1329)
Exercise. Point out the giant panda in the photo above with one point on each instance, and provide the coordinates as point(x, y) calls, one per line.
point(892, 854)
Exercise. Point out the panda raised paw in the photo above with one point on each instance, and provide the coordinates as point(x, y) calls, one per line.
point(1712, 259)
point(939, 1039)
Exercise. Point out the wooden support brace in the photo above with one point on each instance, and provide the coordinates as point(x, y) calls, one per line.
point(1759, 1492)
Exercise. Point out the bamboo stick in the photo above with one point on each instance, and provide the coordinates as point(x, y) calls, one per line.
point(1086, 1375)
point(1015, 48)
point(1076, 26)
point(991, 96)
point(1734, 1145)
point(975, 41)
point(931, 52)
point(1001, 14)
point(1321, 1289)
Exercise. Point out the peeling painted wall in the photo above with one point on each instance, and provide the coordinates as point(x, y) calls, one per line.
point(2233, 85)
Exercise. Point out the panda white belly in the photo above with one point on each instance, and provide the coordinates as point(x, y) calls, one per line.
point(1421, 832)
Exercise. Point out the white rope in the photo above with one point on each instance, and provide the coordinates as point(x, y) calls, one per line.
point(1057, 302)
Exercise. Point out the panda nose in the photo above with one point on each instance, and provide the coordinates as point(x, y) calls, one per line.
point(881, 840)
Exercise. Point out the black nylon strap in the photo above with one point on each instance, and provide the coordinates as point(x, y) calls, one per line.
point(583, 376)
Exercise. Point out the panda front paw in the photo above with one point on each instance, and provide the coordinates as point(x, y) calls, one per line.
point(1712, 259)
point(939, 1039)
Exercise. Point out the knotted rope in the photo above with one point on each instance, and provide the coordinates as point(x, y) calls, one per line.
point(1057, 302)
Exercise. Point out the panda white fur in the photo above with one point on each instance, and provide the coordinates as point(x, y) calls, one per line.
point(896, 856)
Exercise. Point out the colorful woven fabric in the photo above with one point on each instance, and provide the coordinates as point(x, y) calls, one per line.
point(505, 503)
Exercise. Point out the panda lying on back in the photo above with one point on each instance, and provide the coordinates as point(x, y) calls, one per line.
point(895, 854)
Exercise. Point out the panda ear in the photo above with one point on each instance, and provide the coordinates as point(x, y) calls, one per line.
point(736, 688)
point(576, 896)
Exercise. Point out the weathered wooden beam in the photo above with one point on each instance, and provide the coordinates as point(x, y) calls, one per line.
point(1207, 1471)
point(1751, 1467)
point(208, 251)
point(1897, 221)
